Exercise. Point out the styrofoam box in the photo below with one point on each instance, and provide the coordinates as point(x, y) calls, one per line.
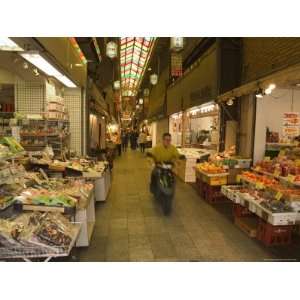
point(287, 218)
point(244, 163)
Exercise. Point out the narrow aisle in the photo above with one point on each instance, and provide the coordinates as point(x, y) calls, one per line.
point(130, 226)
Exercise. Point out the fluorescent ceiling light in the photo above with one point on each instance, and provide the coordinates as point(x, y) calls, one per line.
point(40, 62)
point(6, 44)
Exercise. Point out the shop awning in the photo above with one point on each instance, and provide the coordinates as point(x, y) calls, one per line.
point(287, 77)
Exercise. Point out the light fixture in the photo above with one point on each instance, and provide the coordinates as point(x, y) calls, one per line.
point(36, 72)
point(137, 106)
point(41, 63)
point(146, 92)
point(141, 101)
point(153, 79)
point(149, 69)
point(25, 65)
point(6, 44)
point(176, 43)
point(117, 84)
point(230, 102)
point(111, 49)
point(259, 93)
point(270, 88)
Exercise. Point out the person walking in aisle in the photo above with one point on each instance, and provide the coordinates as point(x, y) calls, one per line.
point(133, 139)
point(124, 138)
point(142, 140)
point(117, 141)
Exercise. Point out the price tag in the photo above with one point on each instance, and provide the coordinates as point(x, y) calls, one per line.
point(258, 168)
point(267, 158)
point(238, 178)
point(259, 185)
point(278, 196)
point(276, 173)
point(291, 178)
point(281, 152)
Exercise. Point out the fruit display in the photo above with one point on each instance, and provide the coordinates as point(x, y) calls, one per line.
point(287, 163)
point(211, 168)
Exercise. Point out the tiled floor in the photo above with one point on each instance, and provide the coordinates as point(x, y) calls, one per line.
point(130, 226)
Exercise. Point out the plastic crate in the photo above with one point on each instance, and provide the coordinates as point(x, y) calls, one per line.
point(272, 235)
point(248, 225)
point(240, 211)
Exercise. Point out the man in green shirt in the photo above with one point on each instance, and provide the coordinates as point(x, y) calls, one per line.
point(164, 153)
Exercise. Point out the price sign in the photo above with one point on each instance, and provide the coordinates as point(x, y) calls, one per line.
point(259, 185)
point(238, 178)
point(291, 178)
point(276, 173)
point(267, 158)
point(278, 196)
point(257, 168)
point(281, 152)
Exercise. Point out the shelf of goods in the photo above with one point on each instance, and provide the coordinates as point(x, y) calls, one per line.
point(35, 193)
point(184, 169)
point(37, 133)
point(273, 203)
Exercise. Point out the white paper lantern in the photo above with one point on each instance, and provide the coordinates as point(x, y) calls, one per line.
point(153, 79)
point(111, 49)
point(176, 43)
point(117, 85)
point(146, 92)
point(141, 101)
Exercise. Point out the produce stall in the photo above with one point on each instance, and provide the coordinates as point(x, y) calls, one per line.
point(273, 202)
point(36, 189)
point(37, 236)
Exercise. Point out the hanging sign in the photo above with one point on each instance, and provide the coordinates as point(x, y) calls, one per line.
point(176, 43)
point(176, 64)
point(111, 49)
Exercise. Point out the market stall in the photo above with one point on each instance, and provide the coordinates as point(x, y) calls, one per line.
point(201, 126)
point(277, 122)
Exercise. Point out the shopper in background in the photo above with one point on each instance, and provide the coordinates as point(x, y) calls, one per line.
point(142, 140)
point(124, 139)
point(117, 141)
point(133, 139)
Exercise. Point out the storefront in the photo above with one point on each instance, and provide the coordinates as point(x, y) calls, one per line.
point(201, 126)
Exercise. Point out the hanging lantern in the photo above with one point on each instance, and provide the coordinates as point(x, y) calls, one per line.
point(176, 43)
point(111, 49)
point(141, 101)
point(146, 92)
point(117, 85)
point(137, 106)
point(153, 79)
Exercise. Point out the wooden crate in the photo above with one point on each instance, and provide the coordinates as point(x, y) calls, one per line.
point(248, 225)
